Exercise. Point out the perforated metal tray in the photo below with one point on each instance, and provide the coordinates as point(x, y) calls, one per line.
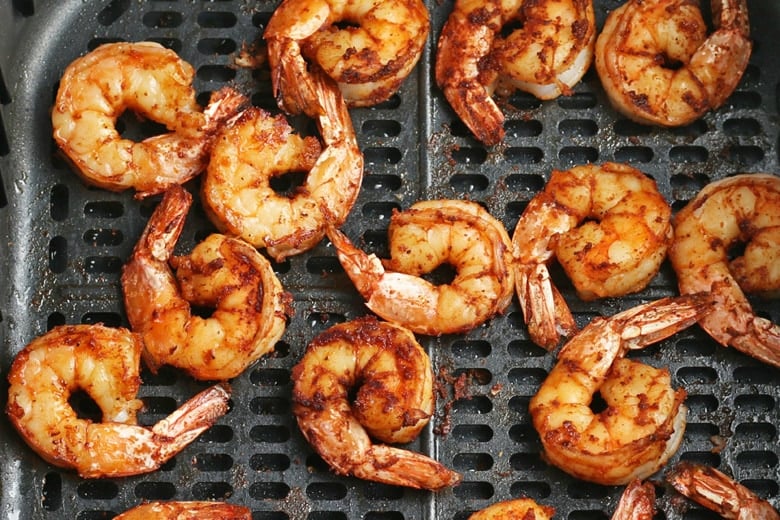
point(62, 245)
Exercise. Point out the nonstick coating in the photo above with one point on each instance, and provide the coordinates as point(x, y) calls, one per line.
point(63, 245)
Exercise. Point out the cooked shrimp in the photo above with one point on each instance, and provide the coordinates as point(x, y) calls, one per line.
point(623, 235)
point(195, 510)
point(392, 404)
point(369, 57)
point(430, 234)
point(637, 502)
point(659, 67)
point(96, 89)
point(104, 363)
point(644, 419)
point(719, 492)
point(237, 192)
point(547, 56)
point(518, 508)
point(740, 209)
point(221, 272)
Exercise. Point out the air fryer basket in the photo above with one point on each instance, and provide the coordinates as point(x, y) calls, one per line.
point(63, 245)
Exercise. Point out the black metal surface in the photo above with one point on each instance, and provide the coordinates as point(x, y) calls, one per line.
point(62, 246)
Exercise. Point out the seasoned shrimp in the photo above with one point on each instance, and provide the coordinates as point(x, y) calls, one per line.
point(368, 57)
point(547, 56)
point(623, 235)
point(221, 272)
point(236, 189)
point(637, 502)
point(644, 419)
point(393, 403)
point(104, 363)
point(154, 82)
point(659, 67)
point(194, 510)
point(459, 233)
point(717, 491)
point(740, 209)
point(515, 509)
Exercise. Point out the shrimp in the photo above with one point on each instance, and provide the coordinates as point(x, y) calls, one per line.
point(187, 510)
point(659, 67)
point(518, 508)
point(222, 272)
point(368, 58)
point(715, 490)
point(637, 502)
point(393, 403)
point(547, 56)
point(644, 420)
point(624, 234)
point(154, 82)
point(427, 235)
point(740, 209)
point(236, 189)
point(104, 363)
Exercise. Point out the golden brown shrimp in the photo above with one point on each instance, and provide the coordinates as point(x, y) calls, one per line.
point(515, 509)
point(623, 235)
point(658, 66)
point(368, 59)
point(740, 209)
point(154, 82)
point(221, 272)
point(717, 491)
point(427, 235)
point(547, 56)
point(236, 189)
point(187, 510)
point(104, 363)
point(644, 419)
point(393, 403)
point(637, 502)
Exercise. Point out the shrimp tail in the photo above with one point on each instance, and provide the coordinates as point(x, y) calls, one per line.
point(187, 510)
point(653, 322)
point(717, 74)
point(365, 271)
point(546, 313)
point(732, 15)
point(224, 104)
point(478, 111)
point(329, 109)
point(637, 502)
point(194, 417)
point(166, 224)
point(293, 85)
point(761, 340)
point(716, 491)
point(400, 467)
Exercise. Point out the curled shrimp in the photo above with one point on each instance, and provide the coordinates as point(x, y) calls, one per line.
point(547, 56)
point(430, 234)
point(368, 59)
point(740, 209)
point(658, 66)
point(644, 419)
point(637, 502)
point(187, 510)
point(103, 362)
point(145, 77)
point(607, 225)
point(717, 491)
point(393, 402)
point(257, 147)
point(518, 508)
point(221, 272)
